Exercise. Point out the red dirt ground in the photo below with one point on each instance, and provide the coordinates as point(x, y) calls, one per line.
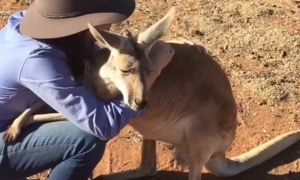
point(258, 44)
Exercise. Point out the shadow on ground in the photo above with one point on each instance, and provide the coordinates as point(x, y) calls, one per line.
point(172, 175)
point(260, 172)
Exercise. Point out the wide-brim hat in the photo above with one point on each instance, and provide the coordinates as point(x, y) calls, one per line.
point(47, 19)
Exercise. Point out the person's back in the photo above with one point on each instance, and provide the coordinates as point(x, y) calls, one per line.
point(15, 48)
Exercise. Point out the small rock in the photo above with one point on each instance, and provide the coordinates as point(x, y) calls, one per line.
point(266, 65)
point(296, 118)
point(263, 102)
point(259, 56)
point(283, 54)
point(226, 46)
point(197, 32)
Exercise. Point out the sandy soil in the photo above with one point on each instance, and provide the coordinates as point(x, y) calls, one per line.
point(258, 44)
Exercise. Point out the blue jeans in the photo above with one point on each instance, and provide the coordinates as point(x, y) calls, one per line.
point(69, 151)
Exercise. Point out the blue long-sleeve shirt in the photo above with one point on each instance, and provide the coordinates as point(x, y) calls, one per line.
point(31, 70)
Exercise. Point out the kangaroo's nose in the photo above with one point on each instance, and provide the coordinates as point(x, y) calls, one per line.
point(141, 104)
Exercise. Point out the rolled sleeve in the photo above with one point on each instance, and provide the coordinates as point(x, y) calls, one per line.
point(46, 73)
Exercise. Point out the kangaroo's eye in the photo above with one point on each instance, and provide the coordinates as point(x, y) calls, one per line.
point(126, 71)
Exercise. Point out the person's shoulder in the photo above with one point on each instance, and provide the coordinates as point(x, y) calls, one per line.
point(11, 40)
point(47, 63)
point(11, 31)
point(23, 55)
point(44, 65)
point(10, 34)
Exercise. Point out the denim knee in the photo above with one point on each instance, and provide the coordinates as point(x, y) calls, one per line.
point(70, 152)
point(89, 146)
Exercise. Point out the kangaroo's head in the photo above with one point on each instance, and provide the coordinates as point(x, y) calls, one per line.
point(128, 63)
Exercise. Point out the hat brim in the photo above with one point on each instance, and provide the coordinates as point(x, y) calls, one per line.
point(36, 26)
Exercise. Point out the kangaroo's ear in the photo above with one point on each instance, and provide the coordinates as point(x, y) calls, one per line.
point(106, 39)
point(157, 30)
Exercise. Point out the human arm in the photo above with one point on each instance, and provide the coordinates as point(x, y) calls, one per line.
point(46, 73)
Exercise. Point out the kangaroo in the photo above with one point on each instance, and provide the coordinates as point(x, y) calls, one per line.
point(191, 105)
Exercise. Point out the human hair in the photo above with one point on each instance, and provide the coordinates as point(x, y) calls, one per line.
point(76, 51)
